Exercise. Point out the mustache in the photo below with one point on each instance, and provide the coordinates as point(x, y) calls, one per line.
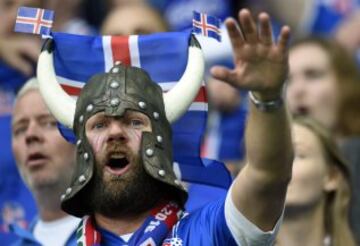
point(116, 147)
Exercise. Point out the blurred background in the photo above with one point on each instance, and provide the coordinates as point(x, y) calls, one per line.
point(323, 81)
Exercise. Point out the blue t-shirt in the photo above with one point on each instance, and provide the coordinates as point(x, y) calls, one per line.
point(205, 226)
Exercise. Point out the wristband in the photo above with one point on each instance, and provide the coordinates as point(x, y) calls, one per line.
point(267, 105)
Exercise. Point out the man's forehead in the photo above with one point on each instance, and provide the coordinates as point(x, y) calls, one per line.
point(17, 118)
point(128, 112)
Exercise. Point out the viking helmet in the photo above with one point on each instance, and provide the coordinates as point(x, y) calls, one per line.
point(120, 89)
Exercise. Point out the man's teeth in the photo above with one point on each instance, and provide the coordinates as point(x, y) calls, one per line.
point(117, 156)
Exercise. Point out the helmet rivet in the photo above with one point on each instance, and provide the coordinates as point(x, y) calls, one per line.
point(149, 152)
point(115, 70)
point(142, 104)
point(114, 84)
point(86, 156)
point(159, 138)
point(89, 108)
point(68, 191)
point(161, 172)
point(62, 197)
point(114, 102)
point(156, 115)
point(82, 179)
point(81, 118)
point(78, 142)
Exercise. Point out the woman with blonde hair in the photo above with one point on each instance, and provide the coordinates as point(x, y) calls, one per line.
point(318, 197)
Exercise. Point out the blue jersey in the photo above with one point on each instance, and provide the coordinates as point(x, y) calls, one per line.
point(217, 223)
point(16, 202)
point(205, 226)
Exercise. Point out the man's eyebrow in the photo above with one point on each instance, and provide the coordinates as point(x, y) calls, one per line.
point(45, 116)
point(38, 117)
point(18, 121)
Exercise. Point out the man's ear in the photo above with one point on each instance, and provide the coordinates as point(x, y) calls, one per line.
point(332, 179)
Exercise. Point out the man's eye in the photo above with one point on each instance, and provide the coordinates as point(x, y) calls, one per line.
point(50, 124)
point(99, 125)
point(136, 123)
point(19, 130)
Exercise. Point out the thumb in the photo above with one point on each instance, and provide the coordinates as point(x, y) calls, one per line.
point(224, 74)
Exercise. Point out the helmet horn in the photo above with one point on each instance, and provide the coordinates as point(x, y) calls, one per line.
point(60, 104)
point(179, 98)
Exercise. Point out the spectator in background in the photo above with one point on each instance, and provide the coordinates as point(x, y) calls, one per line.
point(312, 16)
point(46, 164)
point(18, 55)
point(318, 196)
point(324, 83)
point(124, 20)
point(69, 17)
point(18, 51)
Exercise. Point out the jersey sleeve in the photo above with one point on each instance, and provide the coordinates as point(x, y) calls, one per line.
point(221, 223)
point(244, 231)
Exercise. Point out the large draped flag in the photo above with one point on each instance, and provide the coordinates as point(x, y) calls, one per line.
point(164, 57)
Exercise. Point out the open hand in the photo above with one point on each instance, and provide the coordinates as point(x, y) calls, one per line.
point(20, 52)
point(261, 64)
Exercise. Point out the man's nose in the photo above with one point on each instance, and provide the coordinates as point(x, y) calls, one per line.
point(33, 133)
point(117, 131)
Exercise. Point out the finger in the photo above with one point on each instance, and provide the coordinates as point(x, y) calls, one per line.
point(284, 38)
point(32, 50)
point(235, 35)
point(248, 26)
point(224, 74)
point(265, 33)
point(21, 65)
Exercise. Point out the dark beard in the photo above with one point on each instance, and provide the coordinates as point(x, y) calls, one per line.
point(130, 194)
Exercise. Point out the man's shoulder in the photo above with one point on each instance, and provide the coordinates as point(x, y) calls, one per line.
point(203, 226)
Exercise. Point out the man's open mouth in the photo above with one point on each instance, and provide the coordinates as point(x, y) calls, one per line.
point(117, 164)
point(36, 159)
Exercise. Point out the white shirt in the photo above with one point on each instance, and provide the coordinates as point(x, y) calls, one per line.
point(55, 233)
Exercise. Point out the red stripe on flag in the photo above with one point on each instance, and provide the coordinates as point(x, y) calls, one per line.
point(120, 49)
point(201, 96)
point(71, 90)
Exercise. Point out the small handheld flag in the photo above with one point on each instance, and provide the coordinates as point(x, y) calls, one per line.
point(34, 20)
point(206, 25)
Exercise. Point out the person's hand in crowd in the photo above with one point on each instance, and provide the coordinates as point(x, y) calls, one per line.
point(223, 96)
point(20, 52)
point(260, 63)
point(347, 34)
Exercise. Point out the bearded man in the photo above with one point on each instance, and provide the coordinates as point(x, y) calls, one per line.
point(124, 185)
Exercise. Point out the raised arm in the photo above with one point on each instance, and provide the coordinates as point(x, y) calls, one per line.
point(261, 66)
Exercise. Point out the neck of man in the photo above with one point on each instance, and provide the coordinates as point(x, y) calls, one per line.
point(303, 227)
point(123, 225)
point(48, 203)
